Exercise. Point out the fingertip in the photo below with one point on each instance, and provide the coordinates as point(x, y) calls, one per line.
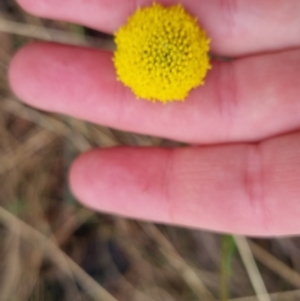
point(47, 75)
point(120, 181)
point(15, 70)
point(91, 176)
point(26, 74)
point(86, 173)
point(31, 6)
point(40, 8)
point(25, 4)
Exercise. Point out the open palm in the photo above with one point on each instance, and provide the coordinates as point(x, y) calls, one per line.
point(245, 176)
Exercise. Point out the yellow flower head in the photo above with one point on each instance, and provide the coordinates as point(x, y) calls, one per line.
point(161, 53)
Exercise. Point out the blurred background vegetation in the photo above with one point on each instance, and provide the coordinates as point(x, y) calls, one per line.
point(51, 248)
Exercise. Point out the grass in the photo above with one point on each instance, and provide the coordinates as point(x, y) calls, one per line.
point(51, 248)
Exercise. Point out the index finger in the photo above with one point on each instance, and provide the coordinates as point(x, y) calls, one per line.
point(236, 27)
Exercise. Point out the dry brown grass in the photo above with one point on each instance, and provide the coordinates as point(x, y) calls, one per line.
point(53, 249)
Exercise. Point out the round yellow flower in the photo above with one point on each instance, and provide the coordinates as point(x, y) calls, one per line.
point(162, 53)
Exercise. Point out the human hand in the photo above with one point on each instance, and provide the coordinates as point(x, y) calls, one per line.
point(246, 179)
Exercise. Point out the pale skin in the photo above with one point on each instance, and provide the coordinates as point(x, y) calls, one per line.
point(243, 173)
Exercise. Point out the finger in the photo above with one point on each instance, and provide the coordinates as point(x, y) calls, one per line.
point(235, 27)
point(243, 189)
point(247, 99)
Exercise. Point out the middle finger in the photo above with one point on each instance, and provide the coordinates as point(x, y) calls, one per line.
point(246, 99)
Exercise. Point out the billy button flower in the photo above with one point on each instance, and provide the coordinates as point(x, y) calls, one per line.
point(162, 53)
